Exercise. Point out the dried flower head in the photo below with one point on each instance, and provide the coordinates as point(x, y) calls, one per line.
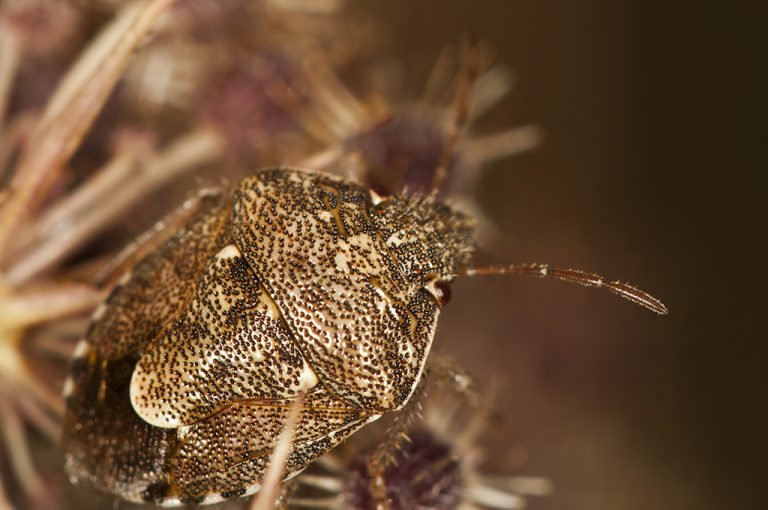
point(434, 464)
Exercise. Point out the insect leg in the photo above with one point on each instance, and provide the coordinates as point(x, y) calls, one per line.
point(385, 454)
point(446, 371)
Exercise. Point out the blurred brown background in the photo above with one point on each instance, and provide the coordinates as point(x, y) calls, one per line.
point(649, 172)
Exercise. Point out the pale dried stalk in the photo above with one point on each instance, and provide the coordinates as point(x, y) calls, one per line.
point(341, 112)
point(19, 310)
point(12, 135)
point(14, 373)
point(273, 478)
point(442, 72)
point(36, 413)
point(73, 109)
point(18, 449)
point(494, 498)
point(4, 503)
point(329, 503)
point(501, 145)
point(10, 55)
point(84, 197)
point(488, 90)
point(526, 485)
point(187, 152)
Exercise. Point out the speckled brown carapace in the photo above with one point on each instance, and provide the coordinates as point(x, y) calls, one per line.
point(296, 282)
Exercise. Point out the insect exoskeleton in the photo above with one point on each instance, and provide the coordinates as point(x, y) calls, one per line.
point(294, 283)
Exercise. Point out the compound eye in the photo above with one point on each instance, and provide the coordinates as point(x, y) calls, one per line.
point(441, 291)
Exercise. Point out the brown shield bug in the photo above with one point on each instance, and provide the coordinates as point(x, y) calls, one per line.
point(295, 283)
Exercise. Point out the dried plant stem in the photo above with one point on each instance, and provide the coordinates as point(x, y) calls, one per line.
point(342, 114)
point(440, 73)
point(507, 143)
point(12, 135)
point(4, 503)
point(37, 414)
point(326, 483)
point(526, 485)
point(326, 503)
point(493, 498)
point(17, 311)
point(187, 152)
point(160, 232)
point(488, 90)
point(103, 183)
point(60, 345)
point(270, 486)
point(349, 112)
point(10, 56)
point(321, 160)
point(72, 110)
point(18, 449)
point(470, 69)
point(21, 309)
point(14, 373)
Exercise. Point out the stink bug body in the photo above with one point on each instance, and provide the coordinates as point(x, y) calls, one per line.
point(297, 282)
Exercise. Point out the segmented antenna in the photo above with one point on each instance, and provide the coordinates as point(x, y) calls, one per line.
point(621, 289)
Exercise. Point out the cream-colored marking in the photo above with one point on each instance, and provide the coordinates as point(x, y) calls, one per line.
point(163, 416)
point(69, 386)
point(257, 356)
point(183, 431)
point(386, 303)
point(187, 377)
point(334, 210)
point(414, 321)
point(375, 197)
point(307, 379)
point(124, 278)
point(213, 499)
point(103, 382)
point(81, 349)
point(230, 251)
point(434, 291)
point(98, 314)
point(364, 349)
point(362, 383)
point(341, 262)
point(272, 309)
point(172, 502)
